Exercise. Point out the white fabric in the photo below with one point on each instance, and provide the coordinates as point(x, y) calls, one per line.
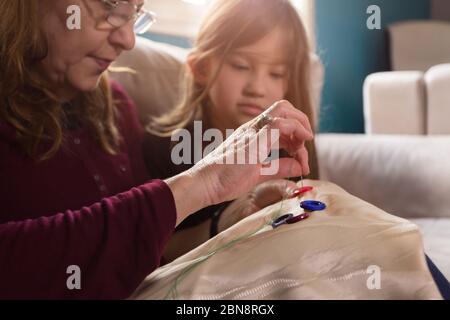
point(404, 175)
point(330, 255)
point(437, 81)
point(436, 238)
point(419, 45)
point(394, 103)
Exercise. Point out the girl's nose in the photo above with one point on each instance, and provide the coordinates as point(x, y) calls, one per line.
point(255, 86)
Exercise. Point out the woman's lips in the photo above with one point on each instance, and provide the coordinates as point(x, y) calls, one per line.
point(250, 109)
point(102, 63)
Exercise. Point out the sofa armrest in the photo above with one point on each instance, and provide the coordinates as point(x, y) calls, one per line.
point(395, 103)
point(437, 81)
point(408, 176)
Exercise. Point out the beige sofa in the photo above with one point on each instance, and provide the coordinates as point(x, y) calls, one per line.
point(414, 169)
point(408, 102)
point(416, 91)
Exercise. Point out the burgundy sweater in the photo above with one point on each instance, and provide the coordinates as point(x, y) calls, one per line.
point(82, 207)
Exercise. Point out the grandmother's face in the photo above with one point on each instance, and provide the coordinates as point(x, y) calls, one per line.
point(77, 58)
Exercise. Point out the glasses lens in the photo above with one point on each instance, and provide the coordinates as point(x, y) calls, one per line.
point(120, 14)
point(144, 22)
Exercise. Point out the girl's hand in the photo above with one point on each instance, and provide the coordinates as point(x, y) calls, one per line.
point(263, 195)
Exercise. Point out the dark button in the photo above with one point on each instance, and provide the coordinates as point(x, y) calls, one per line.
point(312, 205)
point(298, 218)
point(123, 169)
point(281, 220)
point(103, 188)
point(97, 177)
point(77, 141)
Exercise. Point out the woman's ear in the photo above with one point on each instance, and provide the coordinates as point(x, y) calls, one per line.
point(199, 70)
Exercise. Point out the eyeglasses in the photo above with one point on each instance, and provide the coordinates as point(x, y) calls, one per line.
point(120, 12)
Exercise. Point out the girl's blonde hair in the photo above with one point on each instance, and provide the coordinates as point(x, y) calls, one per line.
point(232, 24)
point(26, 101)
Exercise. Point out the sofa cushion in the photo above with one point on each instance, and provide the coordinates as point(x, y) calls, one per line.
point(408, 176)
point(155, 85)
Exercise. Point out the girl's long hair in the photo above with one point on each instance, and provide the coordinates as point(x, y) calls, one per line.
point(26, 100)
point(232, 24)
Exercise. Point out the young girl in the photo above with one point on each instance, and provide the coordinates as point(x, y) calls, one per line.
point(248, 55)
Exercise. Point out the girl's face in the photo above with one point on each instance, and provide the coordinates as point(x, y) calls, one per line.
point(77, 58)
point(251, 79)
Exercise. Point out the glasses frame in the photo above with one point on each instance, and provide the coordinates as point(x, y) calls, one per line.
point(138, 13)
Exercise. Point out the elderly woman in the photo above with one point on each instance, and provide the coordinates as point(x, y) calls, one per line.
point(74, 190)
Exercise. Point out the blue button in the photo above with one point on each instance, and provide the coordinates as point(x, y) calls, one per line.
point(281, 220)
point(312, 205)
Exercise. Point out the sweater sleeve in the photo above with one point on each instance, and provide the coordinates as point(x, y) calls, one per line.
point(115, 244)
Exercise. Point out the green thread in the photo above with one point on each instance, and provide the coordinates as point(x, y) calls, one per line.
point(173, 289)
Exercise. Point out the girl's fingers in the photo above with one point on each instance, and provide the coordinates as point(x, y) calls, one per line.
point(272, 191)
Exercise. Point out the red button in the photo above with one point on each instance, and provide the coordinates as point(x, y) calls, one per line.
point(300, 191)
point(298, 218)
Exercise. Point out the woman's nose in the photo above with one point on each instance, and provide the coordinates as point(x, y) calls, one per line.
point(124, 37)
point(255, 86)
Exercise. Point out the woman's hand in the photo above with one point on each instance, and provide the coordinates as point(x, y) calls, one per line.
point(219, 177)
point(263, 195)
point(225, 182)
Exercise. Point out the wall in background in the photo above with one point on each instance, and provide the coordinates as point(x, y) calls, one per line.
point(350, 52)
point(178, 41)
point(440, 9)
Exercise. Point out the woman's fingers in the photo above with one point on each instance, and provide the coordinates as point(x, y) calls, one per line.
point(302, 157)
point(284, 109)
point(284, 168)
point(285, 134)
point(234, 167)
point(292, 133)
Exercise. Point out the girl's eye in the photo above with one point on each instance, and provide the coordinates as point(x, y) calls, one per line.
point(277, 75)
point(239, 66)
